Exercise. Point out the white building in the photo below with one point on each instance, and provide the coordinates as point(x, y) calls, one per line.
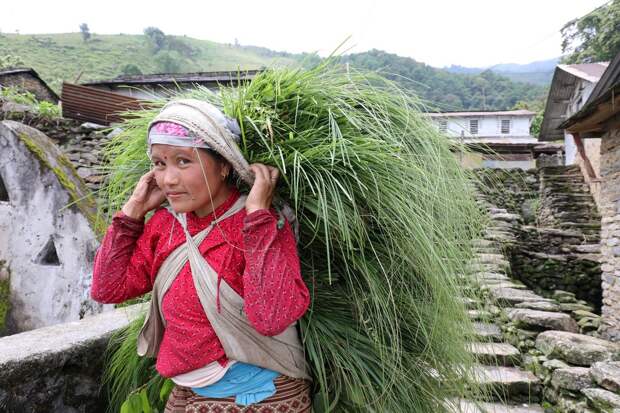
point(570, 88)
point(500, 139)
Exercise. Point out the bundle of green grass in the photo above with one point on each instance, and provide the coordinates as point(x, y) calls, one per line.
point(386, 218)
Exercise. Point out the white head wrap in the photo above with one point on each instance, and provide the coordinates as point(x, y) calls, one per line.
point(209, 125)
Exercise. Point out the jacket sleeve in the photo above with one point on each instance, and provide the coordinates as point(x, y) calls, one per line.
point(274, 293)
point(123, 262)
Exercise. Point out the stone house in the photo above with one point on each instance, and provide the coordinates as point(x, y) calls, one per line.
point(570, 88)
point(29, 80)
point(498, 139)
point(599, 120)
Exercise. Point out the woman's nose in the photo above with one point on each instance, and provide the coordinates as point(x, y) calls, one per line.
point(171, 177)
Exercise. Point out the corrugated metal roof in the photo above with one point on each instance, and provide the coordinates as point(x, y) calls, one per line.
point(565, 77)
point(520, 112)
point(89, 104)
point(608, 81)
point(167, 78)
point(591, 72)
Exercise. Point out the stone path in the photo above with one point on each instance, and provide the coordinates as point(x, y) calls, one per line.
point(528, 346)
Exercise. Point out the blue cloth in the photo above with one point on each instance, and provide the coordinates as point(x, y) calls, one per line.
point(248, 383)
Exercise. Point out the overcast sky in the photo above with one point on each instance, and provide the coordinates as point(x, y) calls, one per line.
point(438, 32)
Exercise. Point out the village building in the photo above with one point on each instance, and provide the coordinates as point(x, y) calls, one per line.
point(498, 139)
point(598, 120)
point(154, 86)
point(570, 88)
point(28, 79)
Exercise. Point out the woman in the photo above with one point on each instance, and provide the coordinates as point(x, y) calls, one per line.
point(223, 270)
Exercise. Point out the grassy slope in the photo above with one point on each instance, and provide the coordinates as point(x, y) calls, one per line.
point(58, 57)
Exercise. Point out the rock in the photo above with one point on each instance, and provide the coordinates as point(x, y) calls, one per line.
point(84, 172)
point(16, 108)
point(572, 378)
point(579, 314)
point(507, 381)
point(539, 305)
point(488, 331)
point(465, 406)
point(542, 319)
point(479, 315)
point(513, 296)
point(555, 364)
point(92, 126)
point(607, 375)
point(495, 353)
point(575, 306)
point(505, 216)
point(577, 349)
point(603, 400)
point(564, 296)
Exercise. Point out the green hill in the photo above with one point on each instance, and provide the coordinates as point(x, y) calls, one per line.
point(58, 57)
point(67, 57)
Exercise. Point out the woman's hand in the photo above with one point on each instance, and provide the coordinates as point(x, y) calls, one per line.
point(145, 197)
point(261, 194)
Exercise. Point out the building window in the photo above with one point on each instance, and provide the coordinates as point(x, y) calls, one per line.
point(473, 126)
point(505, 126)
point(443, 125)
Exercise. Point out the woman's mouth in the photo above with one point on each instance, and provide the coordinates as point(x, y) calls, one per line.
point(174, 195)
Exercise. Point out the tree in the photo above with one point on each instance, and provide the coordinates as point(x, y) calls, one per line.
point(157, 38)
point(130, 69)
point(594, 37)
point(168, 62)
point(85, 31)
point(10, 61)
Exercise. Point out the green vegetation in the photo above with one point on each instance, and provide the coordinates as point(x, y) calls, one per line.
point(386, 218)
point(59, 57)
point(10, 61)
point(43, 109)
point(5, 295)
point(66, 57)
point(444, 91)
point(594, 37)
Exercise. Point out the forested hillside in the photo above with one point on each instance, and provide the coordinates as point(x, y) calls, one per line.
point(77, 56)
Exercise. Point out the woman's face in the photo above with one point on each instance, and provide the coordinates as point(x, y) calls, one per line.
point(187, 185)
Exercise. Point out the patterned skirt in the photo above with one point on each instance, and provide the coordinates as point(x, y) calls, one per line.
point(292, 396)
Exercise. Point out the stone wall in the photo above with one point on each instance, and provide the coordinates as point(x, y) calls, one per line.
point(27, 81)
point(610, 234)
point(57, 369)
point(556, 244)
point(82, 143)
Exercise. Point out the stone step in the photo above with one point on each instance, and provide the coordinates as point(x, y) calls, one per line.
point(479, 315)
point(508, 383)
point(502, 354)
point(541, 320)
point(512, 296)
point(466, 406)
point(487, 331)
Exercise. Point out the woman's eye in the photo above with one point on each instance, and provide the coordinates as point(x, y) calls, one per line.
point(183, 161)
point(158, 164)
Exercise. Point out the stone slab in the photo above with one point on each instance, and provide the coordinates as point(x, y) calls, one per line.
point(546, 320)
point(507, 381)
point(539, 305)
point(603, 400)
point(513, 296)
point(571, 378)
point(503, 354)
point(488, 331)
point(465, 406)
point(577, 349)
point(607, 375)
